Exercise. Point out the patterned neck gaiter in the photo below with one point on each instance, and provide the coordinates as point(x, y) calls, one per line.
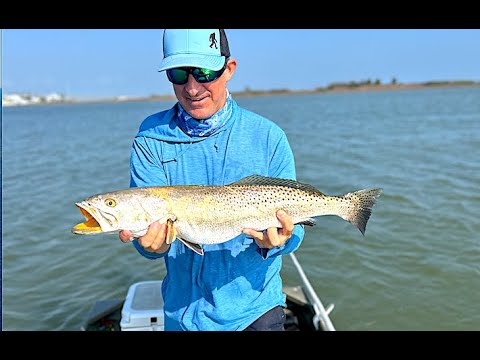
point(208, 126)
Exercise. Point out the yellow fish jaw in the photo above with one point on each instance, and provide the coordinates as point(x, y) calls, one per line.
point(89, 226)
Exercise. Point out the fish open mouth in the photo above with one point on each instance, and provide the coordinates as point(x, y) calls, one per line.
point(89, 226)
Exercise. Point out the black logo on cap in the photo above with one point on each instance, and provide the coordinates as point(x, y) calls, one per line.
point(213, 40)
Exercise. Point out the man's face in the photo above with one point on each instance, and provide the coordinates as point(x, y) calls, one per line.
point(202, 100)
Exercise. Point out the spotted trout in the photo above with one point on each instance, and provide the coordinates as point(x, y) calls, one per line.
point(205, 214)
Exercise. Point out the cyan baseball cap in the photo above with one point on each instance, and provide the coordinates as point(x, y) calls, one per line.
point(203, 48)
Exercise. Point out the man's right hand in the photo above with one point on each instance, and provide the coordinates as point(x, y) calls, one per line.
point(152, 241)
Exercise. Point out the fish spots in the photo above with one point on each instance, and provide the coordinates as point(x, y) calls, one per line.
point(206, 201)
point(215, 214)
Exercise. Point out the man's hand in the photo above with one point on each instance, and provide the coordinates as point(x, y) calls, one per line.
point(273, 236)
point(152, 241)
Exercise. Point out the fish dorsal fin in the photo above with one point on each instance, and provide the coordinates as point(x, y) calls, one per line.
point(309, 222)
point(272, 181)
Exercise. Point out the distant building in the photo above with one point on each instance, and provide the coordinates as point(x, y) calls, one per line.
point(13, 99)
point(54, 97)
point(29, 99)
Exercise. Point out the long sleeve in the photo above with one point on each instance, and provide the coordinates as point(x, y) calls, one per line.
point(282, 165)
point(145, 167)
point(145, 170)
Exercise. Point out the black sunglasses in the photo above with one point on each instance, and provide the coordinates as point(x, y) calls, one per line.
point(179, 76)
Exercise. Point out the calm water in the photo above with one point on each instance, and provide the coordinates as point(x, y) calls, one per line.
point(417, 268)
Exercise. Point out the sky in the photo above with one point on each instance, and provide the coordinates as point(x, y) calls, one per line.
point(90, 63)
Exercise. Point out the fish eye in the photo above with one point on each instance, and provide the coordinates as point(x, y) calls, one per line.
point(110, 202)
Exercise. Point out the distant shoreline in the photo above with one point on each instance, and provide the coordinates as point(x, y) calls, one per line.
point(334, 88)
point(341, 88)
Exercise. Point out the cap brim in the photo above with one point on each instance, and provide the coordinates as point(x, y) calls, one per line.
point(210, 62)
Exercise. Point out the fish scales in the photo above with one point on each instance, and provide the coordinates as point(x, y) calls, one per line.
point(212, 216)
point(202, 214)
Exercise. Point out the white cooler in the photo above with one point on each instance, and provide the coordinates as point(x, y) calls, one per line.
point(143, 307)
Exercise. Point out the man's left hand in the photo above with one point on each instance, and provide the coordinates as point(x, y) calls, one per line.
point(273, 236)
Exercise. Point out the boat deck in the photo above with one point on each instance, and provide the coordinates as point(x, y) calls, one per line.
point(105, 315)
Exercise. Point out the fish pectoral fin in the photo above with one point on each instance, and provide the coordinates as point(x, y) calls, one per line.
point(195, 247)
point(309, 222)
point(171, 232)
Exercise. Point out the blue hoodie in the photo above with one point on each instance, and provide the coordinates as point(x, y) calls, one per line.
point(235, 282)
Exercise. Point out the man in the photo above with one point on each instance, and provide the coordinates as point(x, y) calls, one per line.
point(206, 138)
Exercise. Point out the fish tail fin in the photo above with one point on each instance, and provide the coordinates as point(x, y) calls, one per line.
point(360, 210)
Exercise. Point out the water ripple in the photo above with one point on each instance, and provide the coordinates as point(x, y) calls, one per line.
point(414, 269)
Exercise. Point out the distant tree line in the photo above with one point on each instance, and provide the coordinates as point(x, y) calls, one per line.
point(454, 82)
point(355, 84)
point(350, 85)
